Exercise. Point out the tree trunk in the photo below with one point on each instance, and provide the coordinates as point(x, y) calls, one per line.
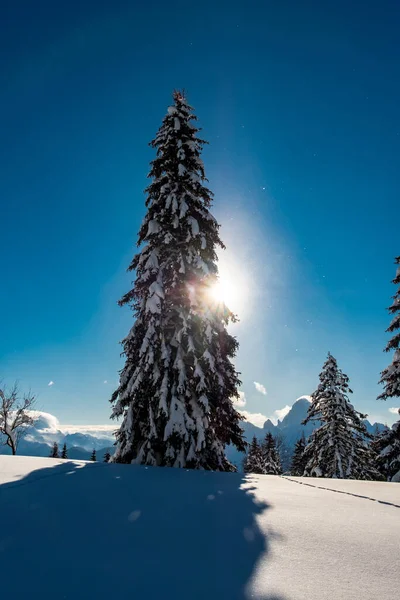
point(10, 442)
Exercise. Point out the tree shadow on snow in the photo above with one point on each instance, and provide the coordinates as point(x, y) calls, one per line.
point(107, 531)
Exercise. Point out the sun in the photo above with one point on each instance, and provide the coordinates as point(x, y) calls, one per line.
point(223, 292)
point(231, 288)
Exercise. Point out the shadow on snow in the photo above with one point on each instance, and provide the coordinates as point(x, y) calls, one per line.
point(103, 531)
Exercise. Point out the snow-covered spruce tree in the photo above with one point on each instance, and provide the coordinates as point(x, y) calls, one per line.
point(253, 463)
point(270, 457)
point(54, 451)
point(388, 444)
point(338, 448)
point(107, 457)
point(298, 459)
point(93, 456)
point(390, 377)
point(64, 453)
point(176, 388)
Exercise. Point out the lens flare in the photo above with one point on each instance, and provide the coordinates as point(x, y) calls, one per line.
point(223, 291)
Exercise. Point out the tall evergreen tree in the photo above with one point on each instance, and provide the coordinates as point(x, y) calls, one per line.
point(298, 459)
point(388, 444)
point(390, 377)
point(253, 463)
point(176, 388)
point(107, 457)
point(93, 456)
point(64, 453)
point(271, 460)
point(54, 451)
point(337, 448)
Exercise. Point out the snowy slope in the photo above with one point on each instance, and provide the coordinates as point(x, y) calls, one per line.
point(195, 535)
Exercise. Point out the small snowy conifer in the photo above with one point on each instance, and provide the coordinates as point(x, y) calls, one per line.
point(270, 457)
point(176, 390)
point(282, 450)
point(54, 451)
point(93, 456)
point(107, 457)
point(298, 458)
point(253, 463)
point(338, 448)
point(64, 453)
point(388, 444)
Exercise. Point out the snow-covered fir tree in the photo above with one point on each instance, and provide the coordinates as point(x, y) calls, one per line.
point(253, 463)
point(387, 450)
point(64, 452)
point(388, 444)
point(107, 457)
point(338, 448)
point(298, 459)
point(390, 377)
point(177, 386)
point(54, 451)
point(93, 456)
point(270, 458)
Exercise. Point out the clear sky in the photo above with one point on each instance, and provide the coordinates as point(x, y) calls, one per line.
point(300, 104)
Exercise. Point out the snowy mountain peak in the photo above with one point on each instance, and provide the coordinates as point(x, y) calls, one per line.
point(269, 426)
point(297, 413)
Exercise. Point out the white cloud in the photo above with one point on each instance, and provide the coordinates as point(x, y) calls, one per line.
point(375, 418)
point(50, 383)
point(306, 397)
point(394, 410)
point(241, 401)
point(47, 424)
point(281, 412)
point(256, 418)
point(105, 381)
point(260, 388)
point(90, 429)
point(259, 419)
point(44, 422)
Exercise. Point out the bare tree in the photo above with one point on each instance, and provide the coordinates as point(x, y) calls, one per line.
point(14, 415)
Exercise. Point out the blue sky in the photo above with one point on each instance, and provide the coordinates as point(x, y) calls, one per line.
point(299, 102)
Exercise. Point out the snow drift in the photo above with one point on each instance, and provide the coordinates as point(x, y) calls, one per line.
point(80, 530)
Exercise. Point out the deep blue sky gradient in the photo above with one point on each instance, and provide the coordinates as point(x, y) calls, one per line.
point(300, 103)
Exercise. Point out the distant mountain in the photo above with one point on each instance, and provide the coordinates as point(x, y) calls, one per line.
point(38, 449)
point(291, 425)
point(290, 428)
point(85, 441)
point(40, 437)
point(77, 453)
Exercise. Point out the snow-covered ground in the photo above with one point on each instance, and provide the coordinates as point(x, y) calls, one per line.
point(74, 530)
